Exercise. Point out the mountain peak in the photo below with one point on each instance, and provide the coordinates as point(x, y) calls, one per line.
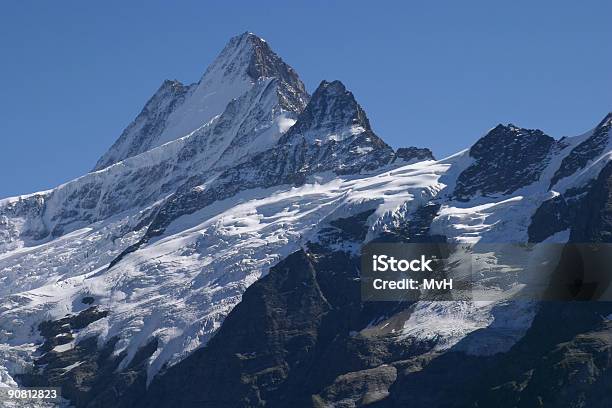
point(507, 128)
point(176, 110)
point(334, 133)
point(502, 132)
point(248, 57)
point(335, 86)
point(246, 36)
point(250, 54)
point(332, 111)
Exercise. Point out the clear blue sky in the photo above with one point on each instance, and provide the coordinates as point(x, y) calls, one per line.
point(429, 73)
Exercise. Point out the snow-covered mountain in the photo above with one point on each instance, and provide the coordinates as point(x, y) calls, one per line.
point(211, 256)
point(176, 110)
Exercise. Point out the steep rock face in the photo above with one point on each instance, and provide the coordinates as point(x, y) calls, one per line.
point(581, 203)
point(332, 115)
point(176, 110)
point(586, 151)
point(245, 363)
point(312, 329)
point(593, 221)
point(89, 375)
point(505, 159)
point(334, 133)
point(264, 63)
point(556, 215)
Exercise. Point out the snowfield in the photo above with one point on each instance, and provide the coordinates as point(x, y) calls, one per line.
point(181, 286)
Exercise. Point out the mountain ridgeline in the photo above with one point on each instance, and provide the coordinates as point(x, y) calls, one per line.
point(212, 258)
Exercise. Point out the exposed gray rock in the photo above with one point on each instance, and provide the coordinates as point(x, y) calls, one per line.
point(557, 214)
point(586, 151)
point(89, 375)
point(505, 159)
point(412, 154)
point(358, 389)
point(312, 343)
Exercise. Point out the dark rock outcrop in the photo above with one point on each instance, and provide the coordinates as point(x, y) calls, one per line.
point(505, 159)
point(586, 151)
point(585, 211)
point(89, 375)
point(313, 343)
point(334, 133)
point(556, 214)
point(281, 358)
point(265, 63)
point(412, 154)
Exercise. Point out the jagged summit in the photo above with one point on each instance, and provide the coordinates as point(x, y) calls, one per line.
point(176, 110)
point(249, 55)
point(332, 112)
point(254, 53)
point(509, 127)
point(334, 133)
point(506, 133)
point(236, 55)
